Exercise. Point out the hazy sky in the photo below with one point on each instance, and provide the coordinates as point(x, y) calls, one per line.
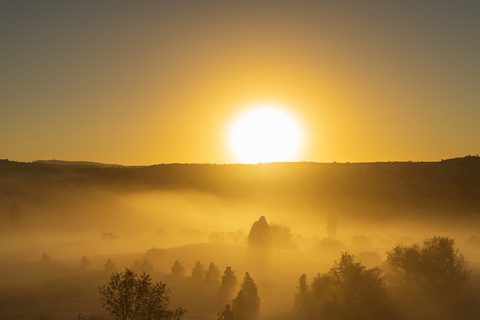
point(146, 82)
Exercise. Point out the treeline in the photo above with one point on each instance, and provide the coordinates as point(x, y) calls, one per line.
point(435, 184)
point(412, 281)
point(430, 280)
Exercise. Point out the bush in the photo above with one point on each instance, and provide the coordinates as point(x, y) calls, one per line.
point(212, 274)
point(129, 296)
point(85, 263)
point(178, 269)
point(199, 271)
point(282, 237)
point(348, 291)
point(110, 266)
point(435, 264)
point(145, 266)
point(246, 306)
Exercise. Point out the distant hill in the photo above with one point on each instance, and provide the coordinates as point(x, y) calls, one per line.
point(77, 163)
point(449, 187)
point(464, 160)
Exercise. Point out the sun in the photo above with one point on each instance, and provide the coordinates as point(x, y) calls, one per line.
point(265, 133)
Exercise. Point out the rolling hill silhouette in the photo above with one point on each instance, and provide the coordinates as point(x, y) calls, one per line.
point(448, 187)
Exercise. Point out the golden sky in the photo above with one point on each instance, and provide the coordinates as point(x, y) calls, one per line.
point(147, 82)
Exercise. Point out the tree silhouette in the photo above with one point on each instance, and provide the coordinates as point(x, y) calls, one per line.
point(137, 267)
point(282, 237)
point(46, 258)
point(348, 291)
point(303, 300)
point(246, 305)
point(229, 282)
point(110, 266)
point(178, 269)
point(260, 236)
point(145, 266)
point(436, 264)
point(229, 279)
point(212, 273)
point(85, 263)
point(129, 296)
point(199, 271)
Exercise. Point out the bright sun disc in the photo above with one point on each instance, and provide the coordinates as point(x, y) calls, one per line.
point(265, 134)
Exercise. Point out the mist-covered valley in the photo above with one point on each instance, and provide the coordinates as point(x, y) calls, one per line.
point(60, 224)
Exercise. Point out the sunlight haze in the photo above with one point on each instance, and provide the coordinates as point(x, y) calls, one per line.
point(265, 133)
point(239, 160)
point(139, 83)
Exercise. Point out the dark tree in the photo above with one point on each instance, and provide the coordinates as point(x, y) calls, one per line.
point(85, 263)
point(260, 236)
point(129, 296)
point(436, 264)
point(302, 300)
point(212, 274)
point(348, 291)
point(137, 267)
point(145, 266)
point(229, 283)
point(199, 271)
point(229, 279)
point(178, 269)
point(246, 305)
point(46, 258)
point(110, 266)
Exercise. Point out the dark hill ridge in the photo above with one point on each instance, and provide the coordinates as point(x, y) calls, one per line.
point(450, 185)
point(76, 163)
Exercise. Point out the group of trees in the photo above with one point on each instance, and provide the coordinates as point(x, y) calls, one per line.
point(178, 269)
point(199, 272)
point(144, 267)
point(246, 306)
point(130, 296)
point(349, 290)
point(435, 265)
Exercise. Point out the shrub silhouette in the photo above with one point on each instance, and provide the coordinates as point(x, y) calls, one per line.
point(212, 274)
point(229, 279)
point(129, 296)
point(145, 266)
point(246, 305)
point(229, 282)
point(199, 271)
point(435, 264)
point(110, 266)
point(260, 236)
point(46, 258)
point(178, 269)
point(282, 237)
point(348, 291)
point(85, 262)
point(303, 299)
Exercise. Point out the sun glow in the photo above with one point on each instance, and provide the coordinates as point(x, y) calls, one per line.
point(265, 133)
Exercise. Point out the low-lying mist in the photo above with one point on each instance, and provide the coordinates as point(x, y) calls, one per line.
point(113, 213)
